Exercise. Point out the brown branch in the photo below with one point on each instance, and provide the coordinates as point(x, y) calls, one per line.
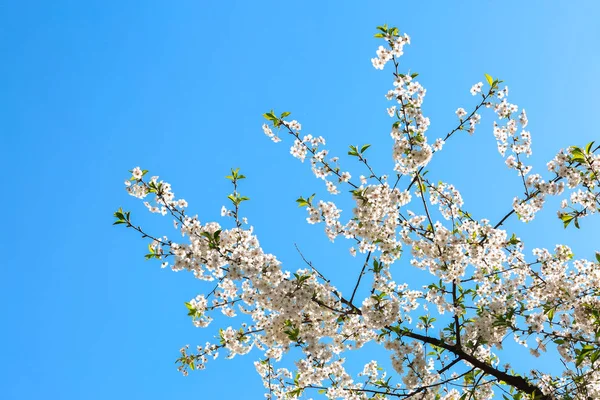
point(517, 382)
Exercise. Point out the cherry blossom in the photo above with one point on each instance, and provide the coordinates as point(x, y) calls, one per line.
point(445, 339)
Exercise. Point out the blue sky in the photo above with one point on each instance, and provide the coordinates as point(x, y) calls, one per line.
point(92, 89)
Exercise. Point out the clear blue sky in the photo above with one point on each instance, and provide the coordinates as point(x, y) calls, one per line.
point(91, 89)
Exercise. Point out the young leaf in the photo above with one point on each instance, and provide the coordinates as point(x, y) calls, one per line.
point(566, 219)
point(577, 155)
point(301, 202)
point(489, 79)
point(588, 147)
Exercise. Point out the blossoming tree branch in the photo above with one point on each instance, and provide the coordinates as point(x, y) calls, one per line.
point(444, 339)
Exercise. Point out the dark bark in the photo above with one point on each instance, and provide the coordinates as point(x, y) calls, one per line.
point(517, 382)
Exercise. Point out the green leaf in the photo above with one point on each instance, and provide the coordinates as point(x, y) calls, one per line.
point(364, 148)
point(379, 35)
point(270, 116)
point(285, 114)
point(588, 147)
point(513, 239)
point(566, 219)
point(518, 396)
point(577, 155)
point(489, 79)
point(302, 202)
point(594, 356)
point(598, 257)
point(551, 314)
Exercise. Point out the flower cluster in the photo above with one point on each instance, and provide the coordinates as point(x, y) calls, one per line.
point(444, 338)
